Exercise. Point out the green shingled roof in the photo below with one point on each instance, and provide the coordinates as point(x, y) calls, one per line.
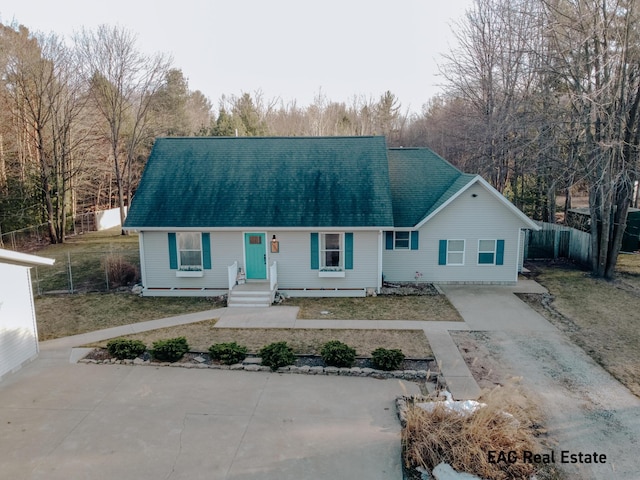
point(271, 182)
point(421, 181)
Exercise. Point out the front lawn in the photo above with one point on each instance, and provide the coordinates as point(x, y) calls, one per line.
point(64, 315)
point(383, 307)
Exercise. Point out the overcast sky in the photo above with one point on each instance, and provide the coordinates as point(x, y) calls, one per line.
point(290, 49)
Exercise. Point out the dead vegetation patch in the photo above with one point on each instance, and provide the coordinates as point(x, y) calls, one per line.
point(510, 422)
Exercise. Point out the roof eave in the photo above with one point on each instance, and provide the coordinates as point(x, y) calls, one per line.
point(257, 228)
point(24, 259)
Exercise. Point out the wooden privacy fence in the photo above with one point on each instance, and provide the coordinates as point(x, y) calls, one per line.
point(558, 241)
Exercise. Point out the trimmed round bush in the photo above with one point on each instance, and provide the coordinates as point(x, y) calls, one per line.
point(387, 359)
point(338, 354)
point(170, 350)
point(123, 348)
point(276, 355)
point(228, 353)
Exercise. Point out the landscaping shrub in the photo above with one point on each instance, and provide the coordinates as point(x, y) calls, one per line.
point(170, 350)
point(119, 271)
point(387, 359)
point(228, 353)
point(122, 348)
point(338, 354)
point(276, 355)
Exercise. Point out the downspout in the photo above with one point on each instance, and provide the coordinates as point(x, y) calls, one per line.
point(379, 282)
point(143, 270)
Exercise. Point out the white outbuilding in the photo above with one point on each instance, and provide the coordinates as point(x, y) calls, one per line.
point(18, 330)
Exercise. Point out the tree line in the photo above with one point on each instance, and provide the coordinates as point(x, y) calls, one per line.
point(541, 98)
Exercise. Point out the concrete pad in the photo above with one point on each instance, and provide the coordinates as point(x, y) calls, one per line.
point(67, 420)
point(303, 448)
point(492, 308)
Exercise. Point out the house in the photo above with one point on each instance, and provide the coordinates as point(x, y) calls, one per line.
point(18, 331)
point(314, 216)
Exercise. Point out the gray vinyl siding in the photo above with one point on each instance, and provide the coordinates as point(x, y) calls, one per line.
point(294, 263)
point(18, 332)
point(470, 219)
point(293, 260)
point(226, 247)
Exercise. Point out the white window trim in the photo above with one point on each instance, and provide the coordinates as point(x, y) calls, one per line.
point(494, 252)
point(464, 250)
point(178, 249)
point(339, 271)
point(408, 247)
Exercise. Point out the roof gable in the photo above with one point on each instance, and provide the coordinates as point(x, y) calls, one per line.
point(256, 181)
point(421, 181)
point(455, 192)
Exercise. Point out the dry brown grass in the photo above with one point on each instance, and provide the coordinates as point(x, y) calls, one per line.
point(64, 315)
point(202, 335)
point(410, 307)
point(464, 441)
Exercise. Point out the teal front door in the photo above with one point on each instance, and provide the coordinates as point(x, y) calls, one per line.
point(255, 251)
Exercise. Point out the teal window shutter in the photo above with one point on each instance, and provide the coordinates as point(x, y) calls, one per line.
point(414, 240)
point(388, 237)
point(173, 252)
point(500, 252)
point(206, 251)
point(442, 253)
point(348, 251)
point(315, 252)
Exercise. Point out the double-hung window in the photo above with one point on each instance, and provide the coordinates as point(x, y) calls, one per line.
point(455, 252)
point(401, 240)
point(189, 251)
point(486, 252)
point(490, 252)
point(331, 251)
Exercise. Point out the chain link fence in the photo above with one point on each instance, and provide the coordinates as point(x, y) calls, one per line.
point(35, 237)
point(99, 271)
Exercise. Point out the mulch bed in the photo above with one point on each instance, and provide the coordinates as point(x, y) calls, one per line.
point(101, 354)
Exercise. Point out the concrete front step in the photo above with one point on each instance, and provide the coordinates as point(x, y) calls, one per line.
point(240, 298)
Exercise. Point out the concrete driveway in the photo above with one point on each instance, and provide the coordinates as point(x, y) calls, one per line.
point(75, 421)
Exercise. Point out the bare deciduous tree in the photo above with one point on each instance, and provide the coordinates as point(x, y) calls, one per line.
point(122, 85)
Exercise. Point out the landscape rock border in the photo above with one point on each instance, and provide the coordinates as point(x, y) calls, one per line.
point(251, 365)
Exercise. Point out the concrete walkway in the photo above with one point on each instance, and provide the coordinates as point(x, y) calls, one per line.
point(452, 366)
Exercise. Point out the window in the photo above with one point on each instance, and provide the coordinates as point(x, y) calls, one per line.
point(189, 251)
point(486, 252)
point(455, 252)
point(401, 241)
point(331, 251)
point(490, 252)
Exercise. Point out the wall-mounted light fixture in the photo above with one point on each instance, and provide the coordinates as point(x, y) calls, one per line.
point(275, 245)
